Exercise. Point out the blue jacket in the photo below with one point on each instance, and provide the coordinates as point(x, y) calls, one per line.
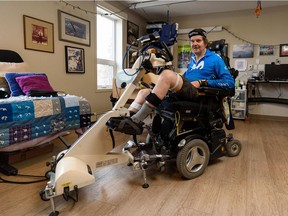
point(212, 68)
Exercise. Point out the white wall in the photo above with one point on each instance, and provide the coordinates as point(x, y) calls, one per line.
point(53, 64)
point(268, 29)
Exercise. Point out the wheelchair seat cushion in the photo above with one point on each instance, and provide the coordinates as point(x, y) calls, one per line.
point(185, 107)
point(208, 91)
point(191, 107)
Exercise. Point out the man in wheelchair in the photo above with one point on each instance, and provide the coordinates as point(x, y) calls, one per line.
point(205, 69)
point(187, 125)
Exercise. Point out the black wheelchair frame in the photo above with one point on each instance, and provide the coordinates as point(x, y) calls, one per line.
point(190, 132)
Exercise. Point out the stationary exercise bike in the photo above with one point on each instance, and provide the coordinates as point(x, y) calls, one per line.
point(184, 134)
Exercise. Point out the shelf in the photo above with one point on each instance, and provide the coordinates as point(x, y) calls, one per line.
point(238, 109)
point(238, 105)
point(238, 114)
point(268, 100)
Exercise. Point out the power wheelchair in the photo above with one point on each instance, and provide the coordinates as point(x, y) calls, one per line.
point(189, 132)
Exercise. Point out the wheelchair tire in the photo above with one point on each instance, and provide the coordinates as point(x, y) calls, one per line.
point(193, 159)
point(233, 148)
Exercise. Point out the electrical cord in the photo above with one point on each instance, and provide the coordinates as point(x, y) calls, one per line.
point(2, 180)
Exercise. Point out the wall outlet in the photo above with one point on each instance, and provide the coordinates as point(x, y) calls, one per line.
point(250, 67)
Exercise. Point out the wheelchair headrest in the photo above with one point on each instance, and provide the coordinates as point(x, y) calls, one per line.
point(216, 45)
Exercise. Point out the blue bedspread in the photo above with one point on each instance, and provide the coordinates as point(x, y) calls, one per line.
point(25, 118)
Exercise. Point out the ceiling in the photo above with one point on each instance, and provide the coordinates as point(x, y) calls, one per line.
point(157, 10)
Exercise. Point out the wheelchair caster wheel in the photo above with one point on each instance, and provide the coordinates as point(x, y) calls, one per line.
point(145, 185)
point(233, 148)
point(56, 213)
point(43, 195)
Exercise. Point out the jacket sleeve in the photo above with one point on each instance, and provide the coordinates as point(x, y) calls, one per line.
point(224, 78)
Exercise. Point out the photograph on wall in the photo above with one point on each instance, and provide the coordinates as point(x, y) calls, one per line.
point(240, 64)
point(75, 62)
point(184, 55)
point(283, 50)
point(266, 50)
point(243, 51)
point(73, 29)
point(38, 34)
point(132, 33)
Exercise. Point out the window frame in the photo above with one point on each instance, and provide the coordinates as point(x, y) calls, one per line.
point(115, 62)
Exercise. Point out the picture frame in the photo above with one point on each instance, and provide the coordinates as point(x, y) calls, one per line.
point(243, 50)
point(38, 34)
point(74, 59)
point(283, 50)
point(266, 50)
point(184, 55)
point(240, 65)
point(74, 29)
point(132, 33)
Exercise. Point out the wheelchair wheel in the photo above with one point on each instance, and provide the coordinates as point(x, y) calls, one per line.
point(233, 148)
point(193, 159)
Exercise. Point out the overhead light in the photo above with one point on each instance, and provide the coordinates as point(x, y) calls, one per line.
point(154, 4)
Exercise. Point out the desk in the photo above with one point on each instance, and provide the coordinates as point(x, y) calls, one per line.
point(254, 94)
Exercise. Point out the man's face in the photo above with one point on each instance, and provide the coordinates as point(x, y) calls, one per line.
point(197, 44)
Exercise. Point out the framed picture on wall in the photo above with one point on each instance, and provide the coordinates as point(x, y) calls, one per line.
point(265, 50)
point(132, 33)
point(38, 34)
point(75, 60)
point(283, 50)
point(243, 51)
point(73, 29)
point(240, 64)
point(184, 55)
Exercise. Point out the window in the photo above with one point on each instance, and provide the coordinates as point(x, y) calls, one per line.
point(108, 48)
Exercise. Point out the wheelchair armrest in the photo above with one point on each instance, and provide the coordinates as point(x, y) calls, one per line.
point(209, 91)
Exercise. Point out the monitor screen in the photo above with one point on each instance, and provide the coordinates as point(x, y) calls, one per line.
point(276, 72)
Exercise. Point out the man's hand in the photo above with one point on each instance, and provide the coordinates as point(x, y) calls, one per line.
point(196, 84)
point(199, 83)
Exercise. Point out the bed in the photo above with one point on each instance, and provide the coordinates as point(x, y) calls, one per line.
point(30, 121)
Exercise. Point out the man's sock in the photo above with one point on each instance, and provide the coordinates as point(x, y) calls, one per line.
point(142, 113)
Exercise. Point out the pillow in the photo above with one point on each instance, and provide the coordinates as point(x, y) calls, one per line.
point(13, 85)
point(4, 84)
point(35, 82)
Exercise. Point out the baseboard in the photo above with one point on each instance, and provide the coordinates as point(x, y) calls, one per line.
point(267, 117)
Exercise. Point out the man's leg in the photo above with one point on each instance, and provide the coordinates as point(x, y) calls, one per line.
point(139, 100)
point(134, 126)
point(167, 80)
